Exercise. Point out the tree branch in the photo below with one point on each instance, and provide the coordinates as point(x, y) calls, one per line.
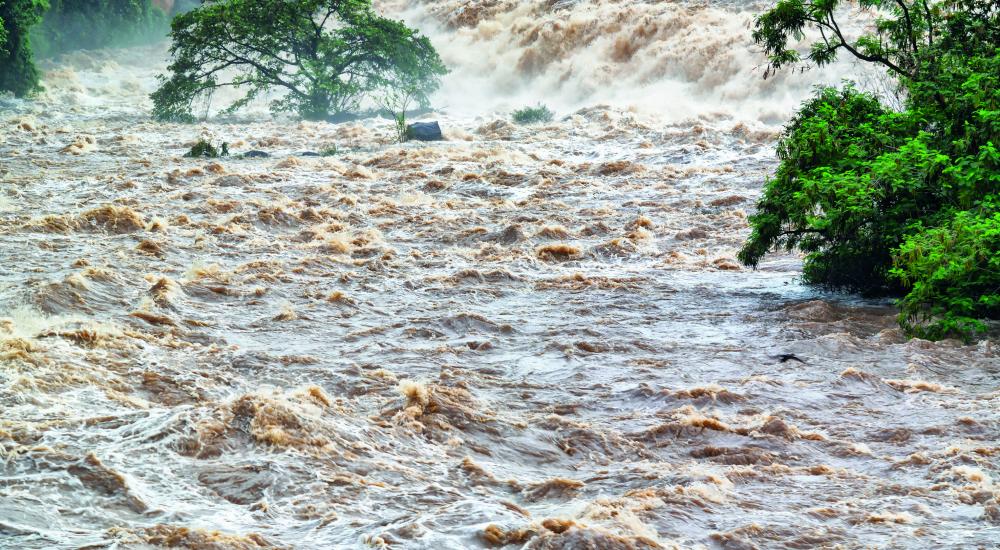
point(870, 58)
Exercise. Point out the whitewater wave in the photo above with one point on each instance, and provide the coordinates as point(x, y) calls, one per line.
point(676, 59)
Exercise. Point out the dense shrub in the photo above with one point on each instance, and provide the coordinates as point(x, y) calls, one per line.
point(952, 272)
point(834, 195)
point(894, 201)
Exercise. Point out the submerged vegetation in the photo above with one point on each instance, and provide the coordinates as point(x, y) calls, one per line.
point(894, 201)
point(324, 56)
point(395, 101)
point(533, 115)
point(205, 149)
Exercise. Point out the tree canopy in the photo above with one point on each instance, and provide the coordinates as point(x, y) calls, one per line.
point(322, 56)
point(898, 201)
point(905, 37)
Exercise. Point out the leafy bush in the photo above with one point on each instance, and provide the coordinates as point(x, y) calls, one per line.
point(90, 24)
point(325, 56)
point(18, 73)
point(533, 115)
point(205, 149)
point(894, 201)
point(952, 271)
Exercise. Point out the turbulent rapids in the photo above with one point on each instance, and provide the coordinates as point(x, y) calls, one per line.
point(529, 337)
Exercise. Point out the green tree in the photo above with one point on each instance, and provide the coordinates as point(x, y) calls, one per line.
point(322, 56)
point(893, 201)
point(18, 73)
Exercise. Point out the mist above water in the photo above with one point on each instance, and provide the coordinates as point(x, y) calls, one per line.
point(674, 60)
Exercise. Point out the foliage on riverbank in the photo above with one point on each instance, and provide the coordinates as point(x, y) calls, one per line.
point(885, 201)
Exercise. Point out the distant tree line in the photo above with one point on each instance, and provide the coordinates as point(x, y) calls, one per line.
point(31, 29)
point(17, 71)
point(90, 24)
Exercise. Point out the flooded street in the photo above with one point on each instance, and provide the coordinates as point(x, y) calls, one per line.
point(532, 336)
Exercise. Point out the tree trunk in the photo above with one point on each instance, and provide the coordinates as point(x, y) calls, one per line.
point(318, 107)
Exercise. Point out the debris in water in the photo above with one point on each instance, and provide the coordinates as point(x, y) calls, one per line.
point(786, 357)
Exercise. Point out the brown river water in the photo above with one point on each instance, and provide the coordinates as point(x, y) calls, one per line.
point(532, 337)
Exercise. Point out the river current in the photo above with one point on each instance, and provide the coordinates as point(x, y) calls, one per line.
point(524, 336)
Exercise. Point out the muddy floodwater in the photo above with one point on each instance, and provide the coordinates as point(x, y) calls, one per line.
point(524, 336)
